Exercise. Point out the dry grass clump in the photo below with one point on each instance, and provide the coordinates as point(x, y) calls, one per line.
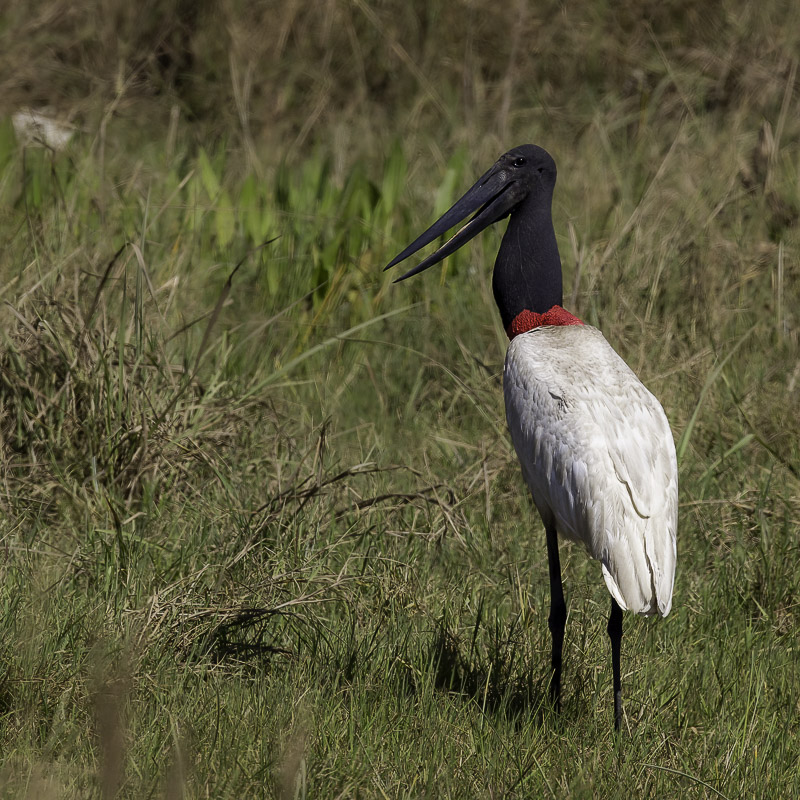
point(93, 404)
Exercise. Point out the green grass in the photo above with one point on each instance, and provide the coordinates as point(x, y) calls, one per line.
point(263, 532)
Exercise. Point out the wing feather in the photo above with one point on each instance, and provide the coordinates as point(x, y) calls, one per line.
point(598, 455)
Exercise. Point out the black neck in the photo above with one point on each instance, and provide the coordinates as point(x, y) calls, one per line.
point(527, 272)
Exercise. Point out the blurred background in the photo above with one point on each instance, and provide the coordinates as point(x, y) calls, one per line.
point(260, 513)
point(312, 121)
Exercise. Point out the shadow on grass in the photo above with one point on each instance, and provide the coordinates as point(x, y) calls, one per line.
point(498, 680)
point(228, 641)
point(494, 674)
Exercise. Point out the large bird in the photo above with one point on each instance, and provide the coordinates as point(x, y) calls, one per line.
point(595, 446)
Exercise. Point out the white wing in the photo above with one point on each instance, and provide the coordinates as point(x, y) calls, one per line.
point(598, 455)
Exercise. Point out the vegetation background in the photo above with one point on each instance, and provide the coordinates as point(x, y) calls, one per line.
point(263, 532)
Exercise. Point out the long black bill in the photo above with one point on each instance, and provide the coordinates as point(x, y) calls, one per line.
point(493, 197)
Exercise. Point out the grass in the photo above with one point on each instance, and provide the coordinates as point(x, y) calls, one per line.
point(263, 531)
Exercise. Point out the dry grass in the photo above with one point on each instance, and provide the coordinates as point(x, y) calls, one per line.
point(262, 530)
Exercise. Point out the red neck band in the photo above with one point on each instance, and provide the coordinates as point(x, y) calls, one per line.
point(528, 320)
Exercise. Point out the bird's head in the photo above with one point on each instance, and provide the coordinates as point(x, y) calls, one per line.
point(525, 173)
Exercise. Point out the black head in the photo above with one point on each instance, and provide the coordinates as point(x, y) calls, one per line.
point(526, 174)
point(531, 167)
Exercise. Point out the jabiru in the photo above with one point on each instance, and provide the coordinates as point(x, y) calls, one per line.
point(594, 444)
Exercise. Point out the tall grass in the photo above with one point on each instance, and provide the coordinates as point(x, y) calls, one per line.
point(263, 532)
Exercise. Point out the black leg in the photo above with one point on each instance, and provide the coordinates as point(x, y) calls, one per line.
point(558, 613)
point(615, 634)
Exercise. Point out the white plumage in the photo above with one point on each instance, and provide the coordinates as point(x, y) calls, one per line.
point(597, 454)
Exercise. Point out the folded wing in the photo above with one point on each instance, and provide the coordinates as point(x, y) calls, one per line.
point(598, 455)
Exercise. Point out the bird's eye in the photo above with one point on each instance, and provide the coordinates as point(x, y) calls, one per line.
point(519, 161)
point(541, 169)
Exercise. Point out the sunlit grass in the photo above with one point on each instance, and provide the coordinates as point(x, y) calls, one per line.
point(264, 533)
